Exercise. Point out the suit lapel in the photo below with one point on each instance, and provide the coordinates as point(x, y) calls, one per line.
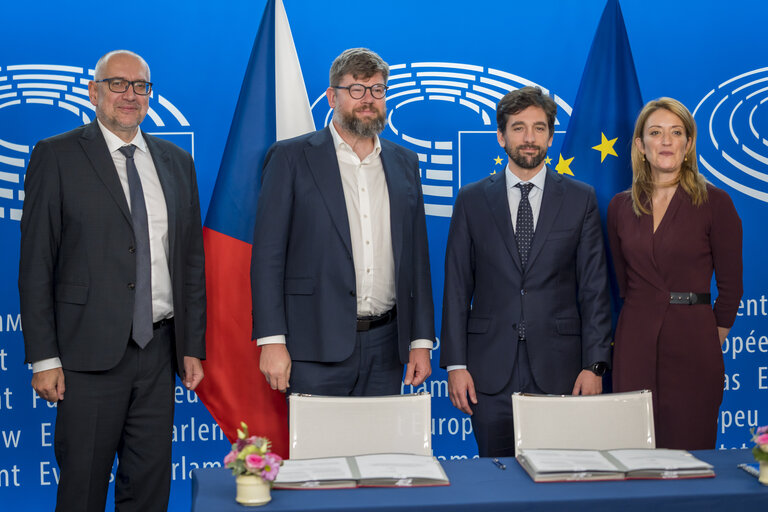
point(550, 206)
point(396, 186)
point(95, 148)
point(164, 168)
point(324, 166)
point(496, 194)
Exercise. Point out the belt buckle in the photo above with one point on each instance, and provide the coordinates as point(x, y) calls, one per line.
point(682, 298)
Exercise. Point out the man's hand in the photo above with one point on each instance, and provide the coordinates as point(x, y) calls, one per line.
point(275, 364)
point(587, 383)
point(461, 386)
point(49, 384)
point(419, 367)
point(193, 372)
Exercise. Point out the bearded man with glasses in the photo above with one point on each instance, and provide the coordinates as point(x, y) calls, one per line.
point(112, 289)
point(342, 296)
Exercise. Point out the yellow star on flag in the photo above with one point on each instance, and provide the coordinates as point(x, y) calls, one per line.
point(548, 160)
point(606, 147)
point(564, 165)
point(498, 160)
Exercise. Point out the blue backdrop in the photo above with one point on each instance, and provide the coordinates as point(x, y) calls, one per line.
point(710, 55)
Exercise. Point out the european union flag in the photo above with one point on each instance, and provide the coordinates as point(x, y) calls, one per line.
point(597, 144)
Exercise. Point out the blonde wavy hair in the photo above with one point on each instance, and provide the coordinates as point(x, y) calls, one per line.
point(689, 178)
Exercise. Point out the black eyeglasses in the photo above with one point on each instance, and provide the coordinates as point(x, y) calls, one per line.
point(120, 85)
point(357, 91)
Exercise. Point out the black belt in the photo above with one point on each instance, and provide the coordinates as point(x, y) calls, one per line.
point(689, 298)
point(366, 323)
point(162, 323)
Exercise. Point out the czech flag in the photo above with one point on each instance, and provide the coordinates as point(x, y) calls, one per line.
point(273, 105)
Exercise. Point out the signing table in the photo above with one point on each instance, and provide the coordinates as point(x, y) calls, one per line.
point(479, 485)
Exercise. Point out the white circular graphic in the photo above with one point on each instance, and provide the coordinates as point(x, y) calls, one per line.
point(446, 113)
point(38, 98)
point(733, 133)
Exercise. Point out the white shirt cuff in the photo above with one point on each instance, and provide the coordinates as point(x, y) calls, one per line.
point(46, 364)
point(455, 367)
point(271, 340)
point(421, 343)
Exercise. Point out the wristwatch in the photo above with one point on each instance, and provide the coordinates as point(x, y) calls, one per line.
point(599, 368)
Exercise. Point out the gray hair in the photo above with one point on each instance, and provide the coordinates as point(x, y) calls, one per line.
point(360, 63)
point(99, 70)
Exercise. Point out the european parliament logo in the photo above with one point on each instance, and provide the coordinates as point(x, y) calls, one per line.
point(41, 100)
point(446, 113)
point(733, 133)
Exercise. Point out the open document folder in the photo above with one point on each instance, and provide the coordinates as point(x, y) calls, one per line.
point(574, 465)
point(375, 470)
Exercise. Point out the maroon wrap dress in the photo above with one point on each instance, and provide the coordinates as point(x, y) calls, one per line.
point(674, 349)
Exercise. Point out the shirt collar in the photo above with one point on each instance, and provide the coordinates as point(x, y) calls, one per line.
point(537, 181)
point(114, 142)
point(340, 143)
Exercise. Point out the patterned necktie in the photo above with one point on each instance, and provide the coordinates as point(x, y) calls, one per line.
point(524, 231)
point(142, 305)
point(523, 237)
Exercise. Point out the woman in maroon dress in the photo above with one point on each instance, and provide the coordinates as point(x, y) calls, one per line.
point(668, 233)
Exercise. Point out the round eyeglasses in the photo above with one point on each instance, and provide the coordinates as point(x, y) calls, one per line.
point(357, 91)
point(120, 85)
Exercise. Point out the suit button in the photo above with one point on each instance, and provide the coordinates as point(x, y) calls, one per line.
point(131, 249)
point(352, 292)
point(131, 286)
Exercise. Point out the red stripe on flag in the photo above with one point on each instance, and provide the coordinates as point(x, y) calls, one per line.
point(234, 389)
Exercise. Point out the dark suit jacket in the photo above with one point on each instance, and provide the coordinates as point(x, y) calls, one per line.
point(76, 252)
point(563, 295)
point(302, 271)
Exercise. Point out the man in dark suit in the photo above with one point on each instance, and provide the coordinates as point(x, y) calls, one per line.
point(526, 304)
point(342, 296)
point(112, 288)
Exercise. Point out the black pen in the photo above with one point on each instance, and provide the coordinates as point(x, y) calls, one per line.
point(498, 463)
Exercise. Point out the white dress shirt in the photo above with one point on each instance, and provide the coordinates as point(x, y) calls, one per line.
point(367, 200)
point(513, 198)
point(157, 216)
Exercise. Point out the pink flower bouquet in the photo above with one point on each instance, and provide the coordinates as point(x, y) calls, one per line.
point(760, 438)
point(250, 455)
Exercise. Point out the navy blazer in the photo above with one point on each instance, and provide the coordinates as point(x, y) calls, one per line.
point(302, 271)
point(77, 262)
point(563, 295)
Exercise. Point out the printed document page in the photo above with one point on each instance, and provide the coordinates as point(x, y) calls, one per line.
point(544, 461)
point(659, 458)
point(308, 470)
point(398, 465)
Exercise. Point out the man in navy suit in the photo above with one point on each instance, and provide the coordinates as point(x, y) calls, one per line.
point(112, 289)
point(342, 296)
point(526, 304)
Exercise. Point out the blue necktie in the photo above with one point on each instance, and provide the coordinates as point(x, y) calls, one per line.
point(524, 231)
point(524, 236)
point(142, 305)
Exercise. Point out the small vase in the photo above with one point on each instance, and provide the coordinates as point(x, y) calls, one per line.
point(763, 475)
point(252, 490)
